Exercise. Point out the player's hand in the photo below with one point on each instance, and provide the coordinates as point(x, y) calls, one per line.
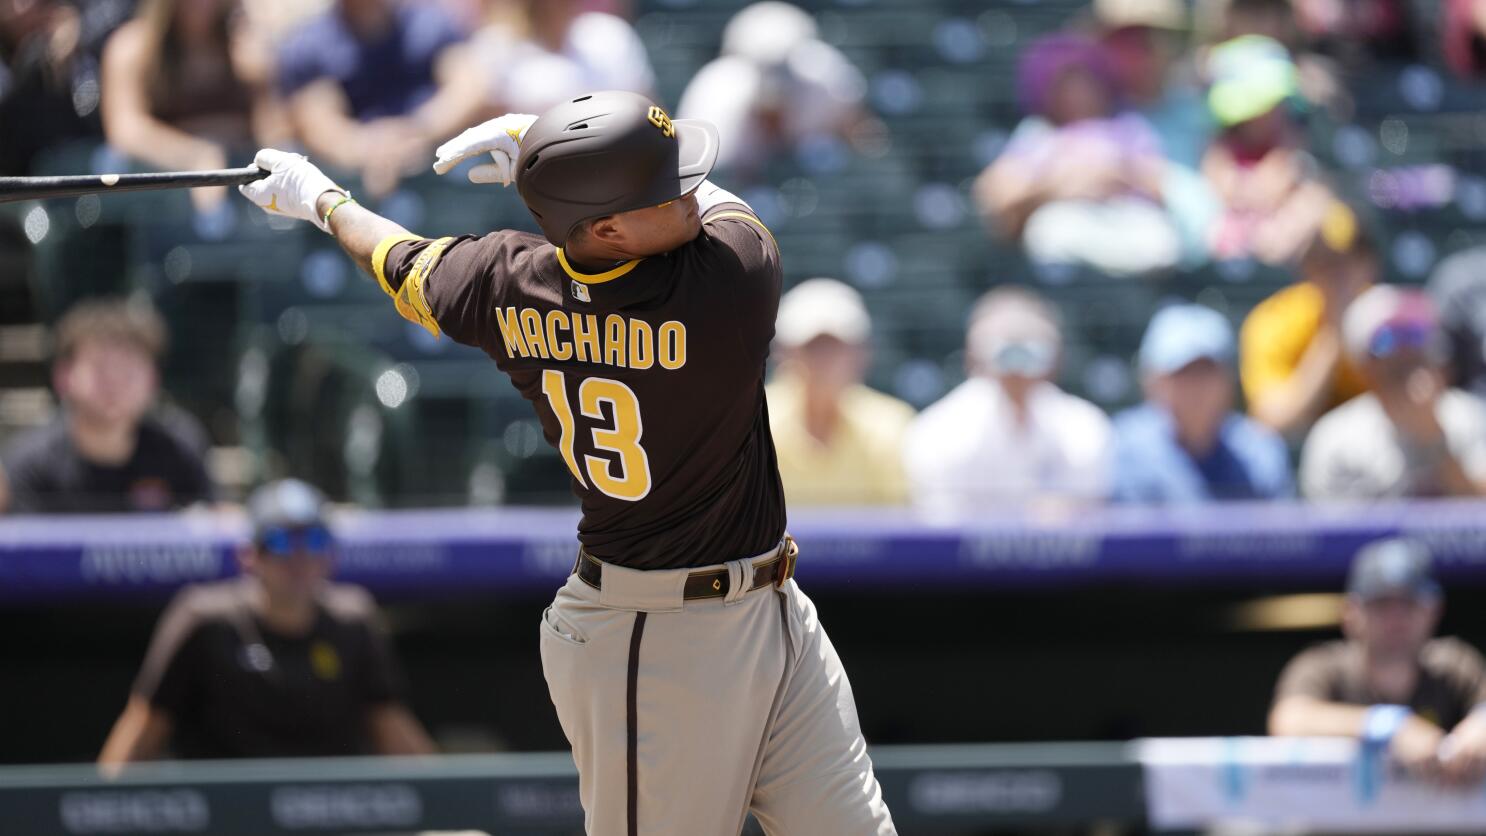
point(1462, 753)
point(292, 188)
point(1416, 746)
point(500, 138)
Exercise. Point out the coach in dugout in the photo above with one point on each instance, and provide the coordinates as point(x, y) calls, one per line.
point(1389, 682)
point(275, 663)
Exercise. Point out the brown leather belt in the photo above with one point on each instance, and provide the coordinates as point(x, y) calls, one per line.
point(715, 583)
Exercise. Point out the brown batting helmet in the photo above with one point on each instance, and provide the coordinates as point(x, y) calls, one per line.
point(606, 153)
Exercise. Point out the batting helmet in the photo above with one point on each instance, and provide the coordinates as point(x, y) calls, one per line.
point(606, 153)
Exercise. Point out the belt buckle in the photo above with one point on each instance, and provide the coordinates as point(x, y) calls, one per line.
point(791, 553)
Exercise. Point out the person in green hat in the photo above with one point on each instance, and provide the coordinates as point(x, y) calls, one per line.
point(1258, 165)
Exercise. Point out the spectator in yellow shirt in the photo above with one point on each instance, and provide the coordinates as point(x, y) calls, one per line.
point(1292, 364)
point(838, 442)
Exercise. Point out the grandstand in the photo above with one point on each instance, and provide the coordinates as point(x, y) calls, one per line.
point(1017, 628)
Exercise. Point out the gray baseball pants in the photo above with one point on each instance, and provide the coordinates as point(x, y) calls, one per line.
point(684, 715)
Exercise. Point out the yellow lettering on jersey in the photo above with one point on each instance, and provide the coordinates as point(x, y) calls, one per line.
point(633, 481)
point(672, 345)
point(641, 344)
point(510, 332)
point(554, 386)
point(586, 338)
point(531, 326)
point(614, 339)
point(560, 348)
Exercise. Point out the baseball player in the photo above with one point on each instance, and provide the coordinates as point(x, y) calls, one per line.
point(689, 672)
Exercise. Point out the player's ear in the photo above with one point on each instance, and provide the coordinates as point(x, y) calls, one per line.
point(606, 230)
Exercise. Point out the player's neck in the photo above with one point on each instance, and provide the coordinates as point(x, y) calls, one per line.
point(595, 256)
point(286, 618)
point(102, 442)
point(1391, 676)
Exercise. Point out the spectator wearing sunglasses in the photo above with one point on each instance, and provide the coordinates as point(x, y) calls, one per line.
point(1410, 434)
point(1185, 443)
point(275, 663)
point(1008, 434)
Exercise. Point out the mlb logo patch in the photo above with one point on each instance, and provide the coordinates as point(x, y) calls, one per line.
point(580, 292)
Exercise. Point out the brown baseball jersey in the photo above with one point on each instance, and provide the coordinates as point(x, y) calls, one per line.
point(1452, 679)
point(234, 688)
point(648, 377)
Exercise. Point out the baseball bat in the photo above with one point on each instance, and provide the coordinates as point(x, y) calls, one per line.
point(33, 188)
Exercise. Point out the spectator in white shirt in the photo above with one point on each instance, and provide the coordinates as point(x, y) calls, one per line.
point(554, 50)
point(1410, 434)
point(1008, 433)
point(775, 88)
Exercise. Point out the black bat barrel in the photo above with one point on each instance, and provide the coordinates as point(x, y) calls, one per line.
point(32, 188)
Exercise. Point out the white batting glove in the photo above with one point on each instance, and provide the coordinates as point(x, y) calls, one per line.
point(500, 138)
point(293, 187)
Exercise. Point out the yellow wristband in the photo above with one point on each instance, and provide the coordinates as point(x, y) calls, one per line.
point(338, 204)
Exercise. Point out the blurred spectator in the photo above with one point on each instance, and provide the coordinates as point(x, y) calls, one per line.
point(838, 442)
point(775, 89)
point(1008, 433)
point(48, 83)
point(1317, 76)
point(1358, 31)
point(1258, 164)
point(107, 451)
point(374, 85)
point(553, 50)
point(1185, 443)
point(275, 663)
point(1294, 367)
point(1080, 182)
point(1459, 290)
point(1390, 682)
point(1464, 37)
point(1141, 38)
point(1410, 434)
point(186, 83)
point(276, 19)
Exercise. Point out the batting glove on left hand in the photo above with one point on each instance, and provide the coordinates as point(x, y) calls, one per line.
point(292, 188)
point(500, 138)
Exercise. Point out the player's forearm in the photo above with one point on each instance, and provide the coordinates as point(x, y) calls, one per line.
point(139, 735)
point(710, 194)
point(1310, 717)
point(358, 230)
point(395, 731)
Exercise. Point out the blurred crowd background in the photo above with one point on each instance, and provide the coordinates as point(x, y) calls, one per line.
point(1113, 248)
point(1036, 252)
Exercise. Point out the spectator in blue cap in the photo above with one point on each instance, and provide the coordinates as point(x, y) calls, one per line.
point(1186, 443)
point(1390, 681)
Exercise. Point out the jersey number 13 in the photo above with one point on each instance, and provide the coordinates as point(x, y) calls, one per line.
point(622, 437)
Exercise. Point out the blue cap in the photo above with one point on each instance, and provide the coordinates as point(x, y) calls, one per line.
point(1395, 567)
point(285, 504)
point(1182, 334)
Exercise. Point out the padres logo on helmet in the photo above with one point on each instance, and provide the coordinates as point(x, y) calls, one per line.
point(659, 119)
